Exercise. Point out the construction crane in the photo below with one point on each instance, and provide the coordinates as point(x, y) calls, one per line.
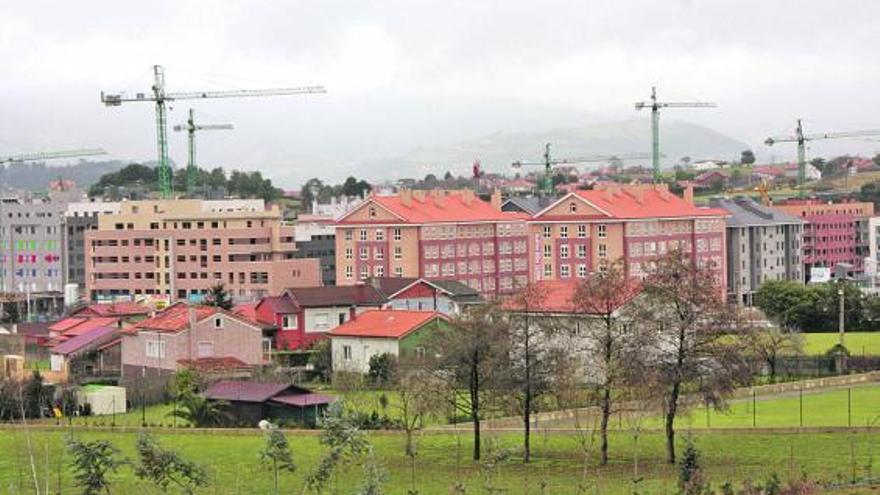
point(546, 184)
point(191, 127)
point(51, 155)
point(655, 107)
point(159, 96)
point(801, 139)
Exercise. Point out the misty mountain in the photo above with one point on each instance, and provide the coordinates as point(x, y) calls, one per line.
point(497, 151)
point(35, 176)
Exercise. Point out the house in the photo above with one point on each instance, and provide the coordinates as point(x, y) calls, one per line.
point(248, 403)
point(382, 331)
point(153, 349)
point(77, 325)
point(710, 179)
point(445, 296)
point(810, 171)
point(92, 354)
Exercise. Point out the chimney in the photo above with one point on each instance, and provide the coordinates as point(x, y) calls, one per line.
point(191, 315)
point(689, 193)
point(467, 196)
point(495, 199)
point(406, 197)
point(418, 195)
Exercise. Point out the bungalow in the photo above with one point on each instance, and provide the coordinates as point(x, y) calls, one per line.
point(449, 297)
point(183, 334)
point(73, 326)
point(95, 353)
point(710, 179)
point(248, 403)
point(382, 331)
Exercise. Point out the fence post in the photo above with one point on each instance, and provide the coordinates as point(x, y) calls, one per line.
point(849, 407)
point(708, 421)
point(801, 405)
point(754, 407)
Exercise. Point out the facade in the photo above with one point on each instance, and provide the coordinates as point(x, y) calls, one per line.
point(444, 296)
point(836, 234)
point(315, 237)
point(762, 244)
point(30, 245)
point(585, 230)
point(447, 235)
point(179, 249)
point(184, 334)
point(396, 332)
point(78, 218)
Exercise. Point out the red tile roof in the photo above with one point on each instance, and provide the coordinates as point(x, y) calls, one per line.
point(385, 323)
point(66, 323)
point(116, 309)
point(89, 324)
point(176, 318)
point(79, 342)
point(557, 296)
point(282, 304)
point(450, 206)
point(214, 364)
point(248, 310)
point(627, 203)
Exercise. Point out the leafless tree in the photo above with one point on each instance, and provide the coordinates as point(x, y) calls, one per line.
point(417, 390)
point(608, 339)
point(769, 344)
point(693, 351)
point(465, 357)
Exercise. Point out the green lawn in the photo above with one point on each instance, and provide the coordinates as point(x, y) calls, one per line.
point(858, 343)
point(234, 467)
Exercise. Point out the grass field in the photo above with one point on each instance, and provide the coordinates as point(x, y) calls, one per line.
point(234, 467)
point(858, 343)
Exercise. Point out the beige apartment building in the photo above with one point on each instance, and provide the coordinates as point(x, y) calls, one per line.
point(179, 249)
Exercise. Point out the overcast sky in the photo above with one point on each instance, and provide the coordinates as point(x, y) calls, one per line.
point(405, 74)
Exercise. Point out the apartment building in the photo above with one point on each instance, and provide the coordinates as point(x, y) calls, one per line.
point(179, 249)
point(762, 244)
point(30, 245)
point(836, 235)
point(79, 217)
point(587, 229)
point(447, 235)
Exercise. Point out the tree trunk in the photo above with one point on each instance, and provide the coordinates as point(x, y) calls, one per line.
point(671, 410)
point(527, 433)
point(475, 409)
point(606, 416)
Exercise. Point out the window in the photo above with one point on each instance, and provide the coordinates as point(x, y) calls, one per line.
point(380, 235)
point(548, 270)
point(364, 253)
point(563, 232)
point(398, 252)
point(155, 349)
point(349, 272)
point(365, 272)
point(602, 230)
point(582, 271)
point(397, 234)
point(582, 251)
point(346, 352)
point(349, 253)
point(603, 250)
point(348, 234)
point(380, 271)
point(548, 231)
point(564, 271)
point(372, 212)
point(379, 253)
point(582, 231)
point(363, 234)
point(572, 207)
point(563, 251)
point(218, 322)
point(548, 250)
point(289, 322)
point(206, 349)
point(398, 271)
point(322, 320)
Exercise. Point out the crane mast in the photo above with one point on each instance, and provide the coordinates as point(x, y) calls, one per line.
point(655, 107)
point(160, 97)
point(191, 127)
point(545, 185)
point(801, 139)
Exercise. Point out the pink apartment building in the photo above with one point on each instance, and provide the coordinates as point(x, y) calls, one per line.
point(586, 229)
point(445, 235)
point(178, 249)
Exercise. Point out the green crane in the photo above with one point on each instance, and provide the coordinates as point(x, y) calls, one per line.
point(655, 107)
point(801, 139)
point(160, 97)
point(191, 127)
point(545, 186)
point(51, 155)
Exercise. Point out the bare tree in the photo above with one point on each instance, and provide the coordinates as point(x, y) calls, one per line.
point(693, 351)
point(769, 345)
point(465, 357)
point(417, 391)
point(608, 339)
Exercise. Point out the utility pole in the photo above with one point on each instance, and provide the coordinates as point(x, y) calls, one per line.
point(160, 97)
point(655, 107)
point(545, 185)
point(191, 127)
point(801, 139)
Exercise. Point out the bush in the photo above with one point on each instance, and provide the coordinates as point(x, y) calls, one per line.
point(382, 367)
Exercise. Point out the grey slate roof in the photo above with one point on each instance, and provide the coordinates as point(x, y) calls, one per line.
point(528, 204)
point(746, 212)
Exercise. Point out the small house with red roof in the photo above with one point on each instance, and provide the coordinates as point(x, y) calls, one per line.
point(400, 333)
point(185, 336)
point(92, 354)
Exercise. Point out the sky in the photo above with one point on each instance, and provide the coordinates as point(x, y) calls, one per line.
point(405, 74)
